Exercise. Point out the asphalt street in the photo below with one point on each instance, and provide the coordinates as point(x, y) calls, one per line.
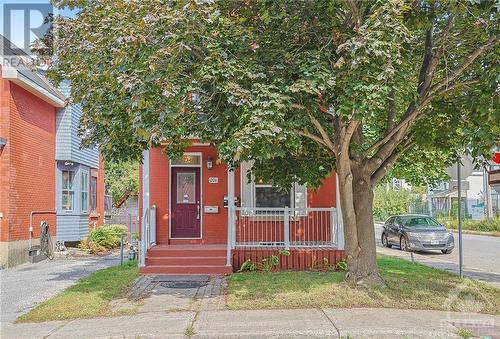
point(481, 256)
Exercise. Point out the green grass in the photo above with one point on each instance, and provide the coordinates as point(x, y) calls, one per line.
point(88, 298)
point(464, 333)
point(409, 286)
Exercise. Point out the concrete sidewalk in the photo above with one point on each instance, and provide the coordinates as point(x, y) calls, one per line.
point(297, 323)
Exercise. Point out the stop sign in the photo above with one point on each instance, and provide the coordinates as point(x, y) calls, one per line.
point(496, 158)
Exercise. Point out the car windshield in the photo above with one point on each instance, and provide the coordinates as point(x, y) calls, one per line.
point(420, 222)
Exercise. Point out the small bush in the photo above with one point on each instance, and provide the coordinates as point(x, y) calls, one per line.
point(103, 238)
point(486, 225)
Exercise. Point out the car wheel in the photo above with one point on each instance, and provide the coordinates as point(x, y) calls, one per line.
point(403, 244)
point(446, 251)
point(385, 242)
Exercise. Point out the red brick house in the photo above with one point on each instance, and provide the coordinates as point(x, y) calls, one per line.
point(43, 177)
point(189, 224)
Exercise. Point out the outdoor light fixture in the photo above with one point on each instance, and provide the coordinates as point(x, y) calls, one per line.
point(3, 142)
point(210, 162)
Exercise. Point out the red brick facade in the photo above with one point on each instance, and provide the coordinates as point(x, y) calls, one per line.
point(27, 164)
point(214, 226)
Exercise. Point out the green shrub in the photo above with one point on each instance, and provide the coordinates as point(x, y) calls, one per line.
point(103, 238)
point(486, 225)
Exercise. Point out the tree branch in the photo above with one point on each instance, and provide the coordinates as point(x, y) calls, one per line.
point(391, 114)
point(492, 42)
point(313, 138)
point(326, 139)
point(387, 164)
point(355, 13)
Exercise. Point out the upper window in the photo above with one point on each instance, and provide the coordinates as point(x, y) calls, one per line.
point(93, 193)
point(68, 193)
point(85, 191)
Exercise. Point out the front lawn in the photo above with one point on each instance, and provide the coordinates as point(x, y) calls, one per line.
point(409, 286)
point(88, 298)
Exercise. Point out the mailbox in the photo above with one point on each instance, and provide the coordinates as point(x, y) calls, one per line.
point(211, 209)
point(236, 201)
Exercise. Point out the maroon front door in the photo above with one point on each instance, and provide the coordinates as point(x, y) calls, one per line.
point(185, 202)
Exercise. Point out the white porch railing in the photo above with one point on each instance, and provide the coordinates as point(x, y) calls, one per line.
point(148, 233)
point(283, 227)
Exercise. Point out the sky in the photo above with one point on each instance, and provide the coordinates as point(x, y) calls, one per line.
point(21, 17)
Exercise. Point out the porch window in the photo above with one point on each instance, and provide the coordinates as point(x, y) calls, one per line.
point(85, 191)
point(68, 193)
point(258, 194)
point(269, 196)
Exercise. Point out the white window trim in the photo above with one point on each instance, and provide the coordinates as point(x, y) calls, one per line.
point(63, 190)
point(87, 190)
point(92, 192)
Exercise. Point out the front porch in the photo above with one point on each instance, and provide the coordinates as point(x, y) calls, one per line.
point(310, 236)
point(199, 217)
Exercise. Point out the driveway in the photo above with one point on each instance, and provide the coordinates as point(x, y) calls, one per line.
point(26, 285)
point(481, 255)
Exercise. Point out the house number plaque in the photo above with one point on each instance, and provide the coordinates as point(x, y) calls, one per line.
point(213, 180)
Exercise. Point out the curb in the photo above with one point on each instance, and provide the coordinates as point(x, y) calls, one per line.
point(488, 234)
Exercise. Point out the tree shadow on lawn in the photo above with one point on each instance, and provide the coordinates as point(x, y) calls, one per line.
point(409, 285)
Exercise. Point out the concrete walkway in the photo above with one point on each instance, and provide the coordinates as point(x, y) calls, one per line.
point(23, 287)
point(297, 323)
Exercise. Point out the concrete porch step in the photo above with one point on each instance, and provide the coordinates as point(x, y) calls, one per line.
point(182, 269)
point(188, 251)
point(188, 260)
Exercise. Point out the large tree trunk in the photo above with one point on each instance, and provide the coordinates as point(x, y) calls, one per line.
point(356, 197)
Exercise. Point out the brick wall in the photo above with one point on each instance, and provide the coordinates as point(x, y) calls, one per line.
point(4, 158)
point(214, 226)
point(28, 162)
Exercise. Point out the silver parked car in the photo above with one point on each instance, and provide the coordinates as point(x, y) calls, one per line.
point(417, 233)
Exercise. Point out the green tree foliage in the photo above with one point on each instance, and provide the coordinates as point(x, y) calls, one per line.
point(300, 87)
point(121, 178)
point(389, 202)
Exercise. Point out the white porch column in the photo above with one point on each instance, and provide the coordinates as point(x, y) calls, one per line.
point(340, 222)
point(145, 206)
point(230, 215)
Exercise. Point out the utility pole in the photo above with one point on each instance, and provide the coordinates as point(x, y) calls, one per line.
point(460, 248)
point(487, 193)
